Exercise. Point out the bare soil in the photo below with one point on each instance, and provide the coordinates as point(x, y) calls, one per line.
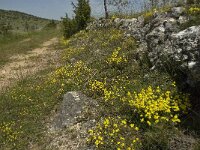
point(23, 65)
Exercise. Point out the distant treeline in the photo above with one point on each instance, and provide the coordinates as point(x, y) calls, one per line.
point(14, 21)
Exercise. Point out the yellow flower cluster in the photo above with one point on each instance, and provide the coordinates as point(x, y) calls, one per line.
point(109, 91)
point(71, 51)
point(194, 10)
point(115, 35)
point(8, 131)
point(75, 75)
point(116, 58)
point(97, 86)
point(149, 14)
point(115, 85)
point(155, 105)
point(113, 131)
point(65, 41)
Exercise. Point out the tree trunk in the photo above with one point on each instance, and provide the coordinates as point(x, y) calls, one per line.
point(106, 9)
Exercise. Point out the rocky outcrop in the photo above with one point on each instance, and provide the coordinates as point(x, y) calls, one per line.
point(168, 48)
point(69, 127)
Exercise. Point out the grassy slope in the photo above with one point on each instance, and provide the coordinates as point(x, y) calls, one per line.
point(24, 107)
point(18, 19)
point(90, 66)
point(21, 43)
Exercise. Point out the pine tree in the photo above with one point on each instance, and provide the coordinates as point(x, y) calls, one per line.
point(82, 13)
point(106, 9)
point(82, 16)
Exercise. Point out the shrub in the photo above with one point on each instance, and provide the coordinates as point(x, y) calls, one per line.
point(69, 27)
point(5, 28)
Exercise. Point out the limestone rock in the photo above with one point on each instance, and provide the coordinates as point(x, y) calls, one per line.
point(72, 109)
point(166, 45)
point(69, 127)
point(177, 11)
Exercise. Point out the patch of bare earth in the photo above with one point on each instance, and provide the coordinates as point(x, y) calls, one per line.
point(23, 65)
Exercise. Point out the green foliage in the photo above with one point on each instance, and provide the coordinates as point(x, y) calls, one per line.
point(79, 22)
point(69, 27)
point(158, 138)
point(138, 108)
point(82, 14)
point(23, 109)
point(111, 133)
point(52, 24)
point(5, 28)
point(193, 2)
point(134, 100)
point(193, 12)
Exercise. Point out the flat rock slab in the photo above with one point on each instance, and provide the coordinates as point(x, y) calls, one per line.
point(68, 128)
point(74, 109)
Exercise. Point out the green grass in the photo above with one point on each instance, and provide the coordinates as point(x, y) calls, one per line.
point(93, 62)
point(24, 109)
point(25, 106)
point(98, 67)
point(21, 43)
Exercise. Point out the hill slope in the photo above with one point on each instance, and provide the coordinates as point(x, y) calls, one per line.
point(20, 21)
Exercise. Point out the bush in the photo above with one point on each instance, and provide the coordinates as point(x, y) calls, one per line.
point(69, 27)
point(5, 28)
point(82, 16)
point(191, 2)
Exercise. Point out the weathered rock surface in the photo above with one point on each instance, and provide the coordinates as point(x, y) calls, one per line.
point(69, 127)
point(168, 48)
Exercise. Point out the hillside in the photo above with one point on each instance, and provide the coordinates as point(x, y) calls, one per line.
point(120, 84)
point(20, 21)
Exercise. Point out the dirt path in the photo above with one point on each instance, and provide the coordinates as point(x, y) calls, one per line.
point(20, 66)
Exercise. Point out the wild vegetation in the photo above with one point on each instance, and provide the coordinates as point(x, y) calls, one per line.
point(139, 108)
point(134, 106)
point(82, 16)
point(16, 27)
point(20, 22)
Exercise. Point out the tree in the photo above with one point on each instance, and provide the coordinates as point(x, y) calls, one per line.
point(116, 3)
point(82, 16)
point(120, 4)
point(106, 9)
point(82, 13)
